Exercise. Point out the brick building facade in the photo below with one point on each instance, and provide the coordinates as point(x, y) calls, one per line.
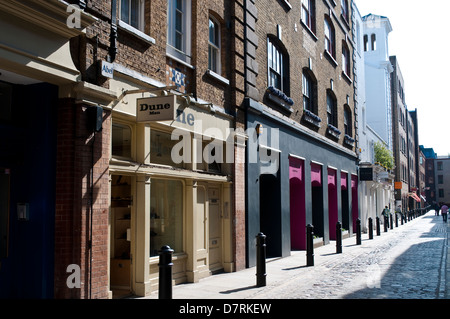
point(301, 121)
point(118, 195)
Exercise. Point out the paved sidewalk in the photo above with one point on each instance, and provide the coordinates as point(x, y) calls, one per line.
point(282, 273)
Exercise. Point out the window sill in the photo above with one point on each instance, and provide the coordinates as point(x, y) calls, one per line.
point(311, 32)
point(180, 61)
point(331, 58)
point(137, 33)
point(287, 4)
point(218, 77)
point(346, 77)
point(344, 19)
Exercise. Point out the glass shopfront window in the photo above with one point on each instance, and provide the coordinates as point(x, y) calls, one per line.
point(121, 140)
point(166, 215)
point(161, 145)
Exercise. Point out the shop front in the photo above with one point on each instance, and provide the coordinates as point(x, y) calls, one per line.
point(35, 66)
point(311, 181)
point(170, 185)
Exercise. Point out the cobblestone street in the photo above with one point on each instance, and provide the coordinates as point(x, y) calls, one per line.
point(407, 262)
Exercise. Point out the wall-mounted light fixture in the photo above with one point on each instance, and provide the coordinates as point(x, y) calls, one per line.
point(259, 129)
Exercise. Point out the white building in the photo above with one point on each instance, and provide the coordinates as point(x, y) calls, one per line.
point(372, 70)
point(378, 69)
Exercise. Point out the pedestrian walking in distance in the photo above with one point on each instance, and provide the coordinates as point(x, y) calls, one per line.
point(386, 214)
point(436, 208)
point(444, 211)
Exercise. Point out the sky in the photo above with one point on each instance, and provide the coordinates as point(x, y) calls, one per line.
point(420, 42)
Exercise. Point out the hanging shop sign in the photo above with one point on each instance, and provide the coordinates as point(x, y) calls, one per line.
point(366, 174)
point(162, 108)
point(107, 69)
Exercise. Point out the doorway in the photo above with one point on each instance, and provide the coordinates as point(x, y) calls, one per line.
point(345, 202)
point(215, 231)
point(270, 213)
point(317, 199)
point(120, 237)
point(333, 216)
point(297, 204)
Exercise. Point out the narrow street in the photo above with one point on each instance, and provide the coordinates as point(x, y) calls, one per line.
point(408, 262)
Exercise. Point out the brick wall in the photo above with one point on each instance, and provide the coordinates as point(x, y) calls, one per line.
point(76, 151)
point(151, 61)
point(304, 49)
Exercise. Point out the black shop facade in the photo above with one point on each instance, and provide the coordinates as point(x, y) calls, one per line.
point(295, 177)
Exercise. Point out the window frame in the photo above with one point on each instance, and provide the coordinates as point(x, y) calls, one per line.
point(215, 47)
point(181, 235)
point(141, 16)
point(345, 10)
point(308, 8)
point(348, 130)
point(311, 95)
point(330, 39)
point(332, 116)
point(366, 42)
point(346, 61)
point(182, 53)
point(281, 69)
point(123, 125)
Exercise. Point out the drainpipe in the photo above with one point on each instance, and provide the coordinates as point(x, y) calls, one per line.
point(113, 35)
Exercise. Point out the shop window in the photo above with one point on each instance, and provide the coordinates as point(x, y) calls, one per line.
point(4, 212)
point(213, 153)
point(166, 215)
point(161, 145)
point(121, 140)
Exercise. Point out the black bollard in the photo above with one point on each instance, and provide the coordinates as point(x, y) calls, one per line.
point(165, 273)
point(358, 231)
point(309, 245)
point(385, 224)
point(391, 221)
point(261, 260)
point(378, 226)
point(396, 220)
point(338, 238)
point(370, 228)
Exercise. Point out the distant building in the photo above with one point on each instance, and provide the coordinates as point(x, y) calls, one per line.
point(430, 180)
point(442, 179)
point(376, 183)
point(378, 76)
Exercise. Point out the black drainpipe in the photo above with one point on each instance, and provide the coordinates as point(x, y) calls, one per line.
point(113, 35)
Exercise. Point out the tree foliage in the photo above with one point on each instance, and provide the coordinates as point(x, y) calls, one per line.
point(383, 156)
